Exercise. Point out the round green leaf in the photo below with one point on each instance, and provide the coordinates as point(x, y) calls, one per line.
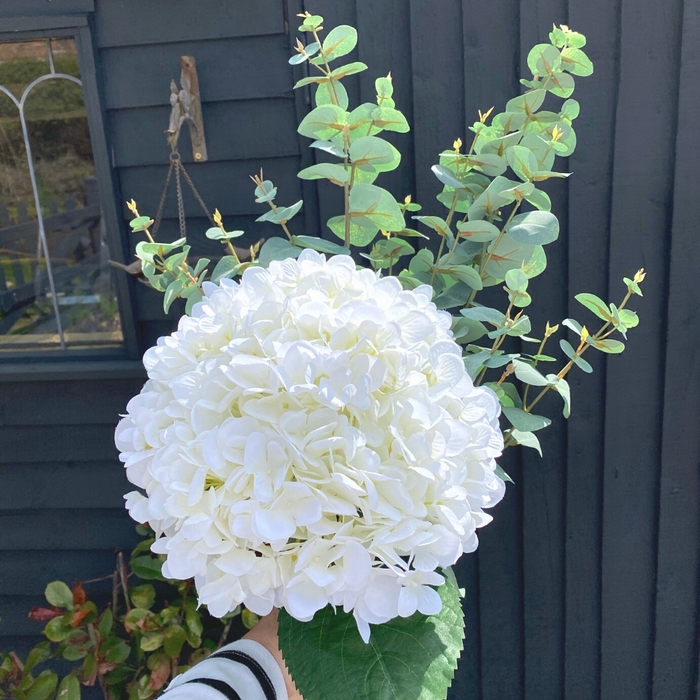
point(277, 249)
point(406, 659)
point(323, 122)
point(339, 41)
point(327, 95)
point(58, 594)
point(477, 231)
point(575, 61)
point(543, 59)
point(375, 205)
point(534, 228)
point(526, 422)
point(360, 235)
point(320, 244)
point(69, 689)
point(337, 174)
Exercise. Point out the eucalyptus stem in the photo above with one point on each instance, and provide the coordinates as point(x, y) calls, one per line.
point(448, 220)
point(582, 347)
point(348, 185)
point(328, 71)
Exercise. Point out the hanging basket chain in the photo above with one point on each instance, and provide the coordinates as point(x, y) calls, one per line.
point(179, 169)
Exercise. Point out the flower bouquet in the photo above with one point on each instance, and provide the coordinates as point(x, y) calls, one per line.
point(320, 434)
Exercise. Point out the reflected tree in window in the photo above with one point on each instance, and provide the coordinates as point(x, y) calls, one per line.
point(56, 286)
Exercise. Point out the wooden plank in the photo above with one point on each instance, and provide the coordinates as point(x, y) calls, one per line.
point(501, 592)
point(87, 402)
point(80, 529)
point(215, 182)
point(467, 680)
point(28, 572)
point(676, 614)
point(302, 106)
point(166, 21)
point(57, 443)
point(438, 107)
point(86, 369)
point(490, 78)
point(71, 485)
point(590, 198)
point(642, 198)
point(236, 130)
point(37, 8)
point(544, 478)
point(384, 45)
point(229, 69)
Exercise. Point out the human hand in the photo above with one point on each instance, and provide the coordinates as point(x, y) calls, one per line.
point(265, 633)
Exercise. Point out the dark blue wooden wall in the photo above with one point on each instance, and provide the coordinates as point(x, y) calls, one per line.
point(585, 587)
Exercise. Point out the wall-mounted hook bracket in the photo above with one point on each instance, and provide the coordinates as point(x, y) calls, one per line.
point(186, 107)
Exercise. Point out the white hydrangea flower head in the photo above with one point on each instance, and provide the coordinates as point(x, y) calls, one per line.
point(310, 436)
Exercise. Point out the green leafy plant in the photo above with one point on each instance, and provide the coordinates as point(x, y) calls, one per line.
point(151, 631)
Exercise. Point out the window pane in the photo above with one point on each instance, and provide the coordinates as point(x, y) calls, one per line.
point(68, 300)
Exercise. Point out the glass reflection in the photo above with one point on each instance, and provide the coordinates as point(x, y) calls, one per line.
point(56, 286)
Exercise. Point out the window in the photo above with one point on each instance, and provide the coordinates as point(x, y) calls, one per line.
point(57, 289)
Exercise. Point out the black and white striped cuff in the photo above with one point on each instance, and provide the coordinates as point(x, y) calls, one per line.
point(243, 670)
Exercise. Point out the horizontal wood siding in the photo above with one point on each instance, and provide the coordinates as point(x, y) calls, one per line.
point(585, 586)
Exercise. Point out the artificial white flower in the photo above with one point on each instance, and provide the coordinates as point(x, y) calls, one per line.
point(310, 436)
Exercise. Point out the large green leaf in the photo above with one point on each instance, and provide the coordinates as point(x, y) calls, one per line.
point(576, 62)
point(320, 244)
point(359, 235)
point(543, 59)
point(69, 689)
point(534, 227)
point(339, 41)
point(327, 95)
point(490, 199)
point(374, 154)
point(595, 304)
point(323, 122)
point(277, 249)
point(58, 594)
point(390, 119)
point(522, 161)
point(375, 205)
point(477, 231)
point(406, 659)
point(506, 254)
point(337, 174)
point(525, 422)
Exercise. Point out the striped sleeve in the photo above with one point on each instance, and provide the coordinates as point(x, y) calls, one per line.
point(244, 670)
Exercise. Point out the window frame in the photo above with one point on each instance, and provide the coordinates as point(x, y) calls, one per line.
point(77, 27)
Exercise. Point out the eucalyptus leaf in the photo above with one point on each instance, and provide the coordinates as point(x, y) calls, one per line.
point(596, 305)
point(534, 227)
point(226, 267)
point(327, 94)
point(562, 387)
point(525, 422)
point(543, 59)
point(337, 174)
point(527, 439)
point(320, 244)
point(376, 206)
point(277, 249)
point(575, 61)
point(525, 372)
point(340, 41)
point(477, 231)
point(360, 235)
point(323, 122)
